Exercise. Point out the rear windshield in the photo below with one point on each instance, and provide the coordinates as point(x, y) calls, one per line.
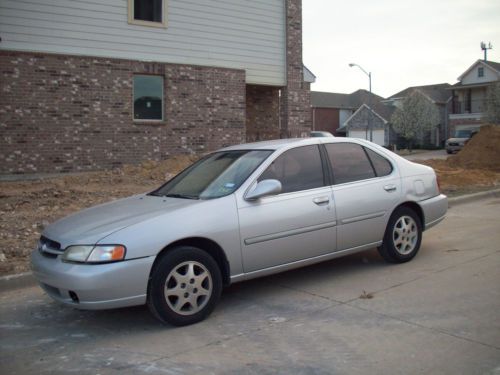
point(463, 133)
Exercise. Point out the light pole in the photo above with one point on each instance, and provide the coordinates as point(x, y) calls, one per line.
point(369, 74)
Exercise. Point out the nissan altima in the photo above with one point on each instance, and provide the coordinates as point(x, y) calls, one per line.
point(241, 212)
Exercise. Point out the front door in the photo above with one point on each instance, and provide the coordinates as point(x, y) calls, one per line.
point(297, 224)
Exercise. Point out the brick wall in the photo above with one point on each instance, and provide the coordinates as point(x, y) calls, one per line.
point(296, 96)
point(68, 113)
point(262, 113)
point(326, 119)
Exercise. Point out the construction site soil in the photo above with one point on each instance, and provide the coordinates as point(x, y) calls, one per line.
point(27, 207)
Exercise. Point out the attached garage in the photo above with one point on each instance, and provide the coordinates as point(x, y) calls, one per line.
point(378, 135)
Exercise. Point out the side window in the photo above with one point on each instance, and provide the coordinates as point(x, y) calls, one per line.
point(349, 162)
point(147, 12)
point(297, 169)
point(382, 166)
point(148, 97)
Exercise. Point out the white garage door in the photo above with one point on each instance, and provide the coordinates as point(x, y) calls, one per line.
point(378, 135)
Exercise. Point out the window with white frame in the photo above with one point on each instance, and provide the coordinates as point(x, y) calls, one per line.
point(148, 97)
point(480, 72)
point(147, 12)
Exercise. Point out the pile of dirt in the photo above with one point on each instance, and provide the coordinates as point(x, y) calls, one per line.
point(481, 152)
point(476, 167)
point(455, 180)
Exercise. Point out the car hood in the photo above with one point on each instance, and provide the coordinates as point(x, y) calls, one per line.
point(457, 140)
point(93, 224)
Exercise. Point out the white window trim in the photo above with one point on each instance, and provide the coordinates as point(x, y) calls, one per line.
point(133, 21)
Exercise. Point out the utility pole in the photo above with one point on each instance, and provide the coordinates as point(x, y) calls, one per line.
point(369, 74)
point(485, 48)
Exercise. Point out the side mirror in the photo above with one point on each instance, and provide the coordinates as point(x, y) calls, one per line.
point(264, 188)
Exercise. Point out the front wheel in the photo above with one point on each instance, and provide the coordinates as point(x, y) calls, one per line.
point(403, 236)
point(184, 286)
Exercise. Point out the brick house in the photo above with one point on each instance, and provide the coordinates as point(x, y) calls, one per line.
point(469, 95)
point(95, 85)
point(439, 95)
point(378, 115)
point(330, 110)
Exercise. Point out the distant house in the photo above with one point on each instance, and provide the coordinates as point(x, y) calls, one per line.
point(331, 110)
point(440, 96)
point(376, 118)
point(469, 94)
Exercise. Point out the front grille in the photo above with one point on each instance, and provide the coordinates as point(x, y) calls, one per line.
point(453, 144)
point(49, 247)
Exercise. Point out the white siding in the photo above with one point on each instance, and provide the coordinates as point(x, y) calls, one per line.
point(239, 34)
point(472, 76)
point(378, 135)
point(344, 114)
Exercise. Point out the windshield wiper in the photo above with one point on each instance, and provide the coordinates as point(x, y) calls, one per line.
point(183, 196)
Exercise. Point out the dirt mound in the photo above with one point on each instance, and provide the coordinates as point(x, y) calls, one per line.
point(481, 152)
point(158, 170)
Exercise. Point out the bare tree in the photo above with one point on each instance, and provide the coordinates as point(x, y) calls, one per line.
point(493, 104)
point(416, 116)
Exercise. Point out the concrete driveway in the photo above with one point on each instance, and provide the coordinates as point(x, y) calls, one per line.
point(435, 154)
point(438, 314)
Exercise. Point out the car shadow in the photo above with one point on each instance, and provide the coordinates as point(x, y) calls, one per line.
point(234, 298)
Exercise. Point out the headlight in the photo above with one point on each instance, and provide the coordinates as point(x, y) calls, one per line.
point(94, 254)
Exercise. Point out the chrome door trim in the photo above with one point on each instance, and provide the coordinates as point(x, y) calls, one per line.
point(362, 217)
point(301, 263)
point(288, 233)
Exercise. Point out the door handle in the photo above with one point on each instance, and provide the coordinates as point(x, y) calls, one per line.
point(321, 200)
point(390, 188)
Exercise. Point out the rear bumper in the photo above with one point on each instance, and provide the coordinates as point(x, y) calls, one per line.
point(96, 287)
point(434, 210)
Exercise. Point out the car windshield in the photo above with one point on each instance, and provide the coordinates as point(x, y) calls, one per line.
point(462, 134)
point(217, 175)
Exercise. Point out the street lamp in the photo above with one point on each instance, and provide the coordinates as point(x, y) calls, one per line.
point(369, 74)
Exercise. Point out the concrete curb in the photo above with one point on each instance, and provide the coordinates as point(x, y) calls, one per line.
point(18, 281)
point(473, 197)
point(26, 279)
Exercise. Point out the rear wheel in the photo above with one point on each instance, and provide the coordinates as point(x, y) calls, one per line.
point(184, 286)
point(403, 236)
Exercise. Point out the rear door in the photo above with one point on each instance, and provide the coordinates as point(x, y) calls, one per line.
point(297, 224)
point(366, 189)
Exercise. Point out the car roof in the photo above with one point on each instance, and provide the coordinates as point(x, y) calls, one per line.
point(277, 144)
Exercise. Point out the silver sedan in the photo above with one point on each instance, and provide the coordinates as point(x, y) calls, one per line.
point(242, 212)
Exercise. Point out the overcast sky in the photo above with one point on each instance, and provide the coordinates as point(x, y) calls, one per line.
point(402, 42)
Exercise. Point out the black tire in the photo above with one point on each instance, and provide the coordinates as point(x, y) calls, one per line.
point(192, 296)
point(449, 152)
point(402, 237)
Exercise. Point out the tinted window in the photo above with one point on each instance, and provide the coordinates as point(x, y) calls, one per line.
point(382, 166)
point(148, 97)
point(148, 10)
point(297, 169)
point(349, 162)
point(214, 176)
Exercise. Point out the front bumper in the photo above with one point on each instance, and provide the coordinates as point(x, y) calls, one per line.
point(454, 148)
point(93, 286)
point(434, 210)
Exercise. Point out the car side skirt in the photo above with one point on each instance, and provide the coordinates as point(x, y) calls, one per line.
point(301, 263)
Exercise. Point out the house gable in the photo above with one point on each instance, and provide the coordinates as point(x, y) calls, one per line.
point(358, 119)
point(479, 72)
